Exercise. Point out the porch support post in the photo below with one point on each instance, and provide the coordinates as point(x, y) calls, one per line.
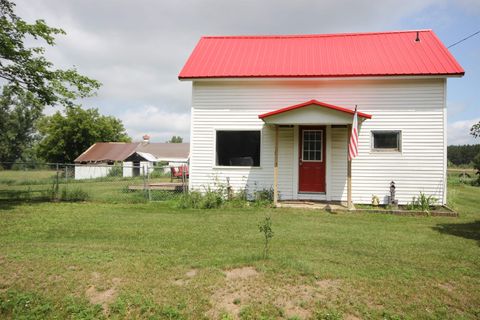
point(275, 170)
point(349, 171)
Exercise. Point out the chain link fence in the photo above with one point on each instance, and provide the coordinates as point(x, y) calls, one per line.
point(118, 182)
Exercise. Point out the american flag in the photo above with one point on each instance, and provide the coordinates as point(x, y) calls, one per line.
point(353, 144)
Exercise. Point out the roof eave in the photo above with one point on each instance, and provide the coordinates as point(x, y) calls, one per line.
point(324, 77)
point(309, 103)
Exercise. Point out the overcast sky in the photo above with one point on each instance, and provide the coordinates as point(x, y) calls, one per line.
point(137, 48)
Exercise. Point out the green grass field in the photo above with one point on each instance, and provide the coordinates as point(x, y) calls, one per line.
point(148, 260)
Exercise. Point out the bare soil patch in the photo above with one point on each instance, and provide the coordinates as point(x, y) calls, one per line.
point(55, 278)
point(244, 286)
point(327, 284)
point(102, 297)
point(241, 273)
point(189, 275)
point(447, 286)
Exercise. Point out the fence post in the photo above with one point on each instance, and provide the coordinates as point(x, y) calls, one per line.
point(184, 178)
point(145, 192)
point(57, 183)
point(148, 185)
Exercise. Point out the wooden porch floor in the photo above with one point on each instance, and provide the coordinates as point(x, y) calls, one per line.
point(315, 205)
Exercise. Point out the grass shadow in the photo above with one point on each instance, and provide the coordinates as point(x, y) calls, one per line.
point(469, 230)
point(6, 205)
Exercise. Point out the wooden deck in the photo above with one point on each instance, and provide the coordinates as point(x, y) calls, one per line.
point(167, 186)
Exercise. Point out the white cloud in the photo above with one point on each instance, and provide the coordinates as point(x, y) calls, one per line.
point(459, 132)
point(159, 124)
point(137, 48)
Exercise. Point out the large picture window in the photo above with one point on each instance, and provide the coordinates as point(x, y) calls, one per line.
point(238, 148)
point(386, 140)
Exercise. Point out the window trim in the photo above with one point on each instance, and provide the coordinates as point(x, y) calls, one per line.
point(394, 150)
point(217, 166)
point(321, 145)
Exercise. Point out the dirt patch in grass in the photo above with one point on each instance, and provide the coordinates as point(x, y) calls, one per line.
point(55, 278)
point(188, 275)
point(246, 286)
point(328, 284)
point(295, 300)
point(241, 273)
point(447, 286)
point(191, 273)
point(102, 297)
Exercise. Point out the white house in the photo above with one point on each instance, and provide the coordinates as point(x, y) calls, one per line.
point(275, 112)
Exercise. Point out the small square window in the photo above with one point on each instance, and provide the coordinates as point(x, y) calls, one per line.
point(386, 140)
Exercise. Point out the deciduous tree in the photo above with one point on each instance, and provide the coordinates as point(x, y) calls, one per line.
point(175, 139)
point(475, 130)
point(65, 135)
point(29, 81)
point(18, 116)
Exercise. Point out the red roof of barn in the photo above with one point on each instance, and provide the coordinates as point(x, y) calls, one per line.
point(395, 53)
point(315, 103)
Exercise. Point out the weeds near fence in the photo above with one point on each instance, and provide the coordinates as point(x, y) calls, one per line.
point(74, 194)
point(222, 198)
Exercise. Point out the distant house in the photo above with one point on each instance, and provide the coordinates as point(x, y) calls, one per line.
point(276, 111)
point(135, 158)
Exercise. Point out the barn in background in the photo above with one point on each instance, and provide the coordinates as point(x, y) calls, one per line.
point(133, 159)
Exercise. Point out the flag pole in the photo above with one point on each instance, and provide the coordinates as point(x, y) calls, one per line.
point(349, 172)
point(349, 168)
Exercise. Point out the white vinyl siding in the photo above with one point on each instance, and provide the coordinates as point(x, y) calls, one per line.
point(413, 106)
point(339, 163)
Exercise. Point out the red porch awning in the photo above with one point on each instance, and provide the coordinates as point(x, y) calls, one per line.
point(309, 104)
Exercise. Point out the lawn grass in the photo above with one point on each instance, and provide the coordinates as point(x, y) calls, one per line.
point(149, 260)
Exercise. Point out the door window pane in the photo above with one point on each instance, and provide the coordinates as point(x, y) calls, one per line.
point(312, 145)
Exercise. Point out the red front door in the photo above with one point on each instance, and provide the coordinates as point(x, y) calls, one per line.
point(311, 171)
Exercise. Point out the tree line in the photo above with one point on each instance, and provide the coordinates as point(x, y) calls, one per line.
point(462, 154)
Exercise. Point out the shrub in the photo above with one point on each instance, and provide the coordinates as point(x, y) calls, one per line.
point(265, 227)
point(264, 195)
point(115, 171)
point(476, 165)
point(423, 202)
point(74, 194)
point(212, 199)
point(238, 200)
point(190, 200)
point(216, 198)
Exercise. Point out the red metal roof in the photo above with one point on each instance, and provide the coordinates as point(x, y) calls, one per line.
point(316, 103)
point(325, 55)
